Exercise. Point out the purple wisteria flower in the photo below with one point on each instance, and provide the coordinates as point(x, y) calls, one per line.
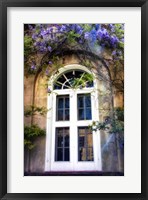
point(73, 26)
point(50, 62)
point(99, 34)
point(97, 27)
point(96, 33)
point(80, 32)
point(48, 90)
point(30, 27)
point(87, 36)
point(114, 53)
point(47, 72)
point(110, 26)
point(104, 31)
point(113, 41)
point(33, 67)
point(41, 26)
point(102, 45)
point(43, 49)
point(79, 29)
point(34, 36)
point(43, 32)
point(119, 53)
point(93, 35)
point(63, 28)
point(49, 29)
point(49, 48)
point(80, 41)
point(122, 40)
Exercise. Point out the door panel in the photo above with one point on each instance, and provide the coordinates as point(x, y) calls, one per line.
point(62, 147)
point(85, 144)
point(74, 145)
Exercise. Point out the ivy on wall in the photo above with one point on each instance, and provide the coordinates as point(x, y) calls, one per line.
point(33, 131)
point(30, 134)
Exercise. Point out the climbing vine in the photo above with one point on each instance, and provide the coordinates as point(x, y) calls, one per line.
point(32, 131)
point(30, 134)
point(111, 125)
point(51, 39)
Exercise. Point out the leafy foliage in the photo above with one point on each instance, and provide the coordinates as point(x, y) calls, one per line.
point(115, 125)
point(28, 45)
point(30, 133)
point(34, 110)
point(82, 81)
point(33, 131)
point(49, 38)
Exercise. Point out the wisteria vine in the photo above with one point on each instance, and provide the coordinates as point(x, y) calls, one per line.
point(46, 38)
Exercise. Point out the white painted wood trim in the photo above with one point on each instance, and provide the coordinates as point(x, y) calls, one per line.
point(73, 124)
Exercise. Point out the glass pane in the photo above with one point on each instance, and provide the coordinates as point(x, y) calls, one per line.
point(88, 113)
point(81, 145)
point(59, 137)
point(62, 108)
point(59, 154)
point(90, 154)
point(69, 75)
point(87, 101)
point(60, 141)
point(60, 103)
point(84, 107)
point(89, 84)
point(61, 79)
point(81, 141)
point(60, 115)
point(80, 102)
point(62, 144)
point(85, 144)
point(82, 154)
point(68, 78)
point(66, 102)
point(82, 131)
point(89, 139)
point(66, 137)
point(57, 87)
point(81, 114)
point(66, 114)
point(66, 154)
point(66, 85)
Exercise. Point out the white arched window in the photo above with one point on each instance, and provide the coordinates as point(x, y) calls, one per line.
point(73, 105)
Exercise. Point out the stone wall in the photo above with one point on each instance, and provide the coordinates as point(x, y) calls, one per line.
point(112, 156)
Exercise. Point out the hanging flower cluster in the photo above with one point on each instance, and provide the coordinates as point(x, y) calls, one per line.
point(46, 38)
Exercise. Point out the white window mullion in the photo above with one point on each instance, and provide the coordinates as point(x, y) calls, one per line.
point(73, 131)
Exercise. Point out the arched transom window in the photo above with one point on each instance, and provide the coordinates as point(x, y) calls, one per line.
point(74, 79)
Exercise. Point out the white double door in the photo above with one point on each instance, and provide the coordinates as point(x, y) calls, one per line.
point(73, 146)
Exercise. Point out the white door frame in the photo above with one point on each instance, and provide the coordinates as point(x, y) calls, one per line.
point(73, 164)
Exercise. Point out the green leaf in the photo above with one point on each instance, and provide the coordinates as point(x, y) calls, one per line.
point(30, 133)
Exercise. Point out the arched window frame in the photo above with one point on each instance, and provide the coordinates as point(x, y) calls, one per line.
point(52, 123)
